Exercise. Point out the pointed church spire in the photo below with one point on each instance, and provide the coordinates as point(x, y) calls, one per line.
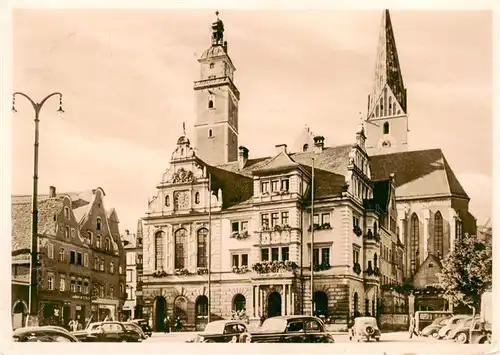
point(388, 97)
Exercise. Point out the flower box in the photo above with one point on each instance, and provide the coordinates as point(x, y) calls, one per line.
point(202, 271)
point(321, 267)
point(181, 272)
point(357, 268)
point(240, 235)
point(275, 266)
point(357, 230)
point(159, 273)
point(241, 270)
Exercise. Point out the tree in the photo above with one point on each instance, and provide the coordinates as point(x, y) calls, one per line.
point(467, 270)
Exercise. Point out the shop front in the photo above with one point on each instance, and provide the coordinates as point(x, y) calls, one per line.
point(104, 309)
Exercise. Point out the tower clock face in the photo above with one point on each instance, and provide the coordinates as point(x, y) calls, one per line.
point(181, 200)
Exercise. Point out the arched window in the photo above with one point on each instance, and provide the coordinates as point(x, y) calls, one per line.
point(167, 201)
point(320, 300)
point(305, 147)
point(210, 104)
point(180, 248)
point(375, 260)
point(98, 241)
point(355, 303)
point(159, 250)
point(376, 111)
point(210, 132)
point(66, 212)
point(438, 234)
point(458, 230)
point(197, 198)
point(390, 104)
point(375, 228)
point(386, 128)
point(201, 306)
point(202, 247)
point(98, 225)
point(66, 232)
point(106, 244)
point(381, 107)
point(414, 242)
point(239, 302)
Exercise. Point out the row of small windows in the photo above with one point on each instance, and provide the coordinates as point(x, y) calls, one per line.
point(281, 185)
point(275, 219)
point(379, 109)
point(197, 199)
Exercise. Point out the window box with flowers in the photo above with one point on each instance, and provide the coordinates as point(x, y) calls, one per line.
point(181, 272)
point(159, 273)
point(372, 271)
point(372, 236)
point(322, 267)
point(357, 268)
point(274, 266)
point(357, 230)
point(323, 226)
point(202, 271)
point(240, 235)
point(240, 270)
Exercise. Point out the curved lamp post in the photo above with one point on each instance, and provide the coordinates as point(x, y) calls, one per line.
point(33, 299)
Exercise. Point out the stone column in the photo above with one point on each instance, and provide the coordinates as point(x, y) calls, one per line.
point(292, 301)
point(289, 300)
point(261, 302)
point(283, 300)
point(426, 234)
point(453, 228)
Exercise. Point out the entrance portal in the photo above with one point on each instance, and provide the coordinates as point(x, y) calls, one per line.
point(160, 311)
point(274, 305)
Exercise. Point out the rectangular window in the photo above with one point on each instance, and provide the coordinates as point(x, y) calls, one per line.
point(85, 287)
point(325, 256)
point(50, 282)
point(355, 256)
point(101, 265)
point(284, 184)
point(236, 259)
point(86, 260)
point(275, 185)
point(244, 226)
point(264, 254)
point(355, 221)
point(235, 226)
point(62, 256)
point(275, 217)
point(316, 219)
point(244, 259)
point(284, 218)
point(78, 287)
point(111, 291)
point(73, 286)
point(101, 290)
point(50, 251)
point(96, 263)
point(265, 187)
point(265, 221)
point(79, 259)
point(111, 267)
point(325, 218)
point(62, 283)
point(275, 254)
point(284, 253)
point(316, 257)
point(129, 275)
point(72, 257)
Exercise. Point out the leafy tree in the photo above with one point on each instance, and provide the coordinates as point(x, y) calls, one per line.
point(467, 270)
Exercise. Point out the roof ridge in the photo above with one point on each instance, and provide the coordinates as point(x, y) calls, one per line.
point(451, 177)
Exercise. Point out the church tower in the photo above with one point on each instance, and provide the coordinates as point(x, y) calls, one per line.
point(387, 119)
point(217, 98)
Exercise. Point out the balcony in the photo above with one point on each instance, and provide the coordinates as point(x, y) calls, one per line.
point(371, 276)
point(371, 239)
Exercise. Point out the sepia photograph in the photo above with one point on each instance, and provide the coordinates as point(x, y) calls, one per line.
point(225, 175)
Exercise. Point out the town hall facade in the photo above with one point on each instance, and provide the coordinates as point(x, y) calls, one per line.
point(368, 214)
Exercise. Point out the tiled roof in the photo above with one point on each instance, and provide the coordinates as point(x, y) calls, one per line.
point(331, 159)
point(418, 173)
point(78, 199)
point(235, 188)
point(278, 163)
point(21, 221)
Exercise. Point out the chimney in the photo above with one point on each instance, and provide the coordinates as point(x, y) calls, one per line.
point(127, 232)
point(242, 157)
point(319, 143)
point(281, 148)
point(52, 191)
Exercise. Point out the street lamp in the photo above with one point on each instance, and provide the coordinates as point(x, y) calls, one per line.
point(33, 300)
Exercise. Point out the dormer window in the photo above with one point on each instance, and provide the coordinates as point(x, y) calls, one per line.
point(98, 225)
point(107, 244)
point(285, 184)
point(66, 212)
point(66, 232)
point(265, 187)
point(275, 185)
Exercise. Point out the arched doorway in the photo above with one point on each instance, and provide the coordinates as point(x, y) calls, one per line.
point(274, 305)
point(356, 304)
point(201, 312)
point(320, 300)
point(239, 302)
point(160, 312)
point(180, 309)
point(19, 312)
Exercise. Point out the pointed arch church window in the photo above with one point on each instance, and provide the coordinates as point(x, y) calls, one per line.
point(381, 107)
point(376, 111)
point(438, 235)
point(414, 242)
point(386, 128)
point(390, 103)
point(210, 104)
point(210, 133)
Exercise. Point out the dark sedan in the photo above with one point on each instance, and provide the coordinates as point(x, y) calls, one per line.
point(290, 329)
point(144, 324)
point(107, 332)
point(221, 331)
point(43, 334)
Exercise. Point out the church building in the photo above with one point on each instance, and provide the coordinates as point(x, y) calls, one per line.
point(360, 215)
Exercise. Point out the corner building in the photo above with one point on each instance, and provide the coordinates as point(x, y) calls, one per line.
point(257, 214)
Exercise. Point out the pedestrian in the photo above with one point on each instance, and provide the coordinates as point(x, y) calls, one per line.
point(350, 329)
point(70, 324)
point(167, 324)
point(178, 324)
point(412, 330)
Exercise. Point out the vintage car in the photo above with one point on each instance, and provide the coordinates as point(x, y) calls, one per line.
point(144, 324)
point(289, 329)
point(43, 334)
point(460, 333)
point(107, 332)
point(136, 328)
point(365, 328)
point(221, 331)
point(450, 324)
point(432, 329)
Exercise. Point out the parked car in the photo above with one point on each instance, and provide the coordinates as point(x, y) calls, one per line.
point(43, 334)
point(365, 328)
point(460, 333)
point(144, 324)
point(480, 332)
point(289, 329)
point(221, 331)
point(450, 323)
point(432, 329)
point(107, 332)
point(135, 327)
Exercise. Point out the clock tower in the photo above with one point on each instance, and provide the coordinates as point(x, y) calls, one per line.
point(217, 98)
point(387, 119)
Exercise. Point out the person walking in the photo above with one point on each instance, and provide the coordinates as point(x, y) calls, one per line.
point(178, 324)
point(350, 328)
point(412, 328)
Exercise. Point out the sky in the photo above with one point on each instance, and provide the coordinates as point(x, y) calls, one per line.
point(127, 80)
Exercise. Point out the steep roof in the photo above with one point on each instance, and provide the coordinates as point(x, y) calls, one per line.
point(235, 188)
point(78, 199)
point(21, 221)
point(381, 194)
point(418, 173)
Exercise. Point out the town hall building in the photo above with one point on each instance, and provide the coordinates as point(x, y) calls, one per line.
point(361, 215)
